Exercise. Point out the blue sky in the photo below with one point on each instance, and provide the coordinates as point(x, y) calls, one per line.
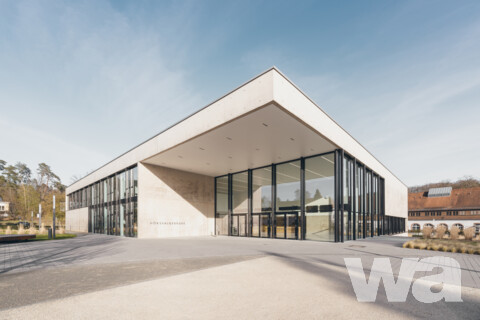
point(83, 81)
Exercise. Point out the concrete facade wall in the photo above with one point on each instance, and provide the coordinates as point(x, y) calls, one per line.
point(174, 203)
point(77, 220)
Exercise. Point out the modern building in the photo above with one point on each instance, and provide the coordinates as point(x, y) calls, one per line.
point(262, 161)
point(444, 206)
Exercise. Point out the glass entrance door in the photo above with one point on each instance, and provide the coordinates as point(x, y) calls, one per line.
point(239, 225)
point(261, 225)
point(286, 225)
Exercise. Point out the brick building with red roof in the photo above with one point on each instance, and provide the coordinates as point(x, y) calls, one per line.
point(447, 206)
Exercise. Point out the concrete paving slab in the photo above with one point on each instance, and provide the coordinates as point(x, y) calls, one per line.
point(266, 288)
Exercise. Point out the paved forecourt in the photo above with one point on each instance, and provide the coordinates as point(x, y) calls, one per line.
point(207, 277)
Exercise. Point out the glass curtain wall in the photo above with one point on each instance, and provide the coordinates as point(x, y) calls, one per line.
point(287, 211)
point(239, 204)
point(375, 204)
point(320, 198)
point(368, 204)
point(348, 219)
point(261, 202)
point(360, 201)
point(112, 204)
point(273, 201)
point(221, 210)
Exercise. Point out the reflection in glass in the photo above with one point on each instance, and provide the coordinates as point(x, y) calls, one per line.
point(368, 204)
point(280, 226)
point(255, 225)
point(265, 226)
point(347, 196)
point(240, 192)
point(359, 201)
point(291, 226)
point(319, 198)
point(288, 186)
point(262, 190)
point(234, 226)
point(221, 210)
point(242, 225)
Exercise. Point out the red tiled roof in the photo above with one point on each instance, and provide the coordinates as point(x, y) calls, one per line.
point(460, 198)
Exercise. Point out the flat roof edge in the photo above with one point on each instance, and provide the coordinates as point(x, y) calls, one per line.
point(311, 100)
point(178, 122)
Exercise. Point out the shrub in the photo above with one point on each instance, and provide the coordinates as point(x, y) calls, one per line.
point(9, 230)
point(453, 249)
point(469, 233)
point(427, 232)
point(61, 230)
point(21, 230)
point(463, 250)
point(471, 251)
point(32, 230)
point(440, 232)
point(454, 231)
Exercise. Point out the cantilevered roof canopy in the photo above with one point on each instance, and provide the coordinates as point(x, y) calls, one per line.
point(266, 120)
point(267, 135)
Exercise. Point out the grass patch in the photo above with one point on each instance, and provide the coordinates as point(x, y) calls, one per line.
point(41, 237)
point(445, 245)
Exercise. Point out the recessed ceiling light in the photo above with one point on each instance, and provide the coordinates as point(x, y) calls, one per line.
point(180, 157)
point(311, 149)
point(229, 157)
point(208, 163)
point(228, 138)
point(292, 139)
point(279, 157)
point(266, 125)
point(201, 148)
point(257, 149)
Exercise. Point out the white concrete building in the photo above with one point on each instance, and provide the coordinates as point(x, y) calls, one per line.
point(263, 161)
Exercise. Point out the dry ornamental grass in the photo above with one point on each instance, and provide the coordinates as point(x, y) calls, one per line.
point(469, 233)
point(454, 231)
point(427, 232)
point(440, 232)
